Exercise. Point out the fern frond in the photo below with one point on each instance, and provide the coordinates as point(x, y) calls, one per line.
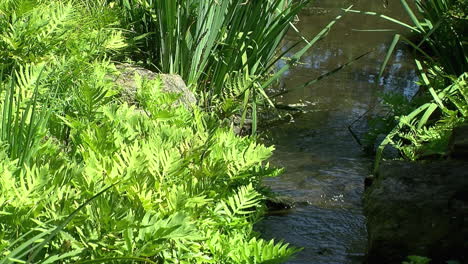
point(244, 202)
point(58, 17)
point(27, 77)
point(261, 251)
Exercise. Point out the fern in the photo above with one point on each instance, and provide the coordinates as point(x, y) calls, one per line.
point(32, 36)
point(260, 251)
point(244, 202)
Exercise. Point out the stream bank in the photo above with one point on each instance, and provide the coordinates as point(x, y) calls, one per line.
point(418, 208)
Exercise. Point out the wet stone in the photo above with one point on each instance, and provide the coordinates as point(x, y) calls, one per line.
point(389, 152)
point(279, 203)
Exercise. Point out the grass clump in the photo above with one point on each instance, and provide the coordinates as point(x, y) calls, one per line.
point(225, 50)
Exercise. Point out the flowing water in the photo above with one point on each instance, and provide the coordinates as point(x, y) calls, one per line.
point(324, 167)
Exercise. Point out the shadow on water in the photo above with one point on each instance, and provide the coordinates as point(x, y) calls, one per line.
point(325, 168)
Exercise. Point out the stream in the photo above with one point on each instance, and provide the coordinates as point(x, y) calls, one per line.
point(324, 166)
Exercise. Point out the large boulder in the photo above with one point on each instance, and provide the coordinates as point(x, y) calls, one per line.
point(171, 84)
point(418, 209)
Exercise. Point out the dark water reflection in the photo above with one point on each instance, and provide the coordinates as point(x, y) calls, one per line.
point(325, 168)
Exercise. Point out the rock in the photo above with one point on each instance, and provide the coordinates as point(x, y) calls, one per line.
point(459, 143)
point(171, 83)
point(418, 209)
point(245, 129)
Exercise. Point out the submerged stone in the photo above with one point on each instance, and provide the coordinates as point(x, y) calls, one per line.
point(279, 204)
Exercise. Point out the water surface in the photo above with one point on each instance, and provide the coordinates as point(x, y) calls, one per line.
point(325, 167)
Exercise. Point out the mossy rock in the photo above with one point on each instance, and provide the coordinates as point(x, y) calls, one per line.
point(172, 83)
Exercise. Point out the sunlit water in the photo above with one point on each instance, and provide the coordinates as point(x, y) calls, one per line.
point(325, 167)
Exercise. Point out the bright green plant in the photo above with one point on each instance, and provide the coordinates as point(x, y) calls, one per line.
point(184, 189)
point(23, 120)
point(33, 32)
point(416, 135)
point(211, 43)
point(204, 42)
point(71, 42)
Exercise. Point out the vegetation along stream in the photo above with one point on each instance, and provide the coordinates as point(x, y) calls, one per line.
point(133, 131)
point(325, 167)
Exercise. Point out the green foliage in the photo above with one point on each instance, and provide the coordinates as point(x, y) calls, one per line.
point(86, 179)
point(211, 44)
point(422, 127)
point(22, 119)
point(444, 26)
point(70, 43)
point(36, 33)
point(260, 251)
point(181, 185)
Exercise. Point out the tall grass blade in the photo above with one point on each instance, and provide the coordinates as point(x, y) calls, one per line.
point(396, 21)
point(412, 16)
point(297, 56)
point(390, 50)
point(327, 74)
